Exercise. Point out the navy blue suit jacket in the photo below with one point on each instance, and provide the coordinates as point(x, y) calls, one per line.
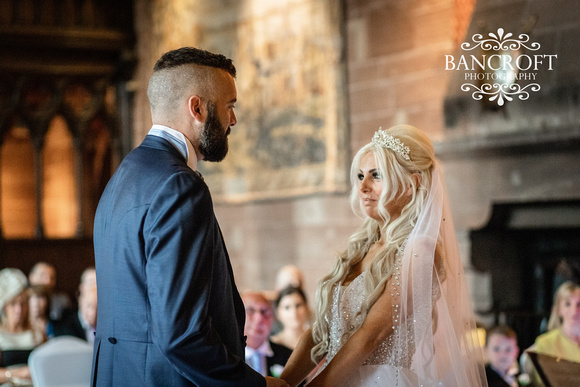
point(169, 312)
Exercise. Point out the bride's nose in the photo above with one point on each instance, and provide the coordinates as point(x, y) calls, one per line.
point(364, 185)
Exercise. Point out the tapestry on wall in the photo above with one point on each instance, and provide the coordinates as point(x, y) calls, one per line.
point(291, 137)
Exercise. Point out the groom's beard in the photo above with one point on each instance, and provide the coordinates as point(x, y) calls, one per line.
point(214, 138)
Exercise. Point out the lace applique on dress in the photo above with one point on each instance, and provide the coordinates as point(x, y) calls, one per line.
point(344, 317)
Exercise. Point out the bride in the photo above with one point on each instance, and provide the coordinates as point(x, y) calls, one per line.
point(395, 310)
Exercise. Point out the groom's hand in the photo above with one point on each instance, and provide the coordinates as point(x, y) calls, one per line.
point(275, 382)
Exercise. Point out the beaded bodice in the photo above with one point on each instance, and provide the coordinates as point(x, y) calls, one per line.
point(344, 317)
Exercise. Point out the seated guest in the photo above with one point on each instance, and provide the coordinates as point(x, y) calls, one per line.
point(83, 322)
point(286, 276)
point(502, 352)
point(44, 274)
point(262, 355)
point(38, 308)
point(17, 339)
point(293, 313)
point(289, 275)
point(562, 340)
point(88, 279)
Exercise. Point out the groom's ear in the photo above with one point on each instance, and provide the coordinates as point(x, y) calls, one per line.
point(197, 108)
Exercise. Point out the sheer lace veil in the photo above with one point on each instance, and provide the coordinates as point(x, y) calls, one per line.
point(434, 294)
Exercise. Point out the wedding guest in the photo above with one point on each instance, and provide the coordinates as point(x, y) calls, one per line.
point(289, 275)
point(286, 276)
point(293, 313)
point(44, 274)
point(17, 338)
point(395, 309)
point(81, 323)
point(39, 306)
point(502, 352)
point(562, 340)
point(263, 355)
point(88, 279)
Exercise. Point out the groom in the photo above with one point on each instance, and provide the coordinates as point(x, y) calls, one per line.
point(169, 312)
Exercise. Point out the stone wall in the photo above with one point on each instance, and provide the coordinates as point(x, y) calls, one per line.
point(396, 51)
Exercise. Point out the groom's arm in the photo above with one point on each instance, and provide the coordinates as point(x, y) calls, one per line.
point(179, 236)
point(300, 363)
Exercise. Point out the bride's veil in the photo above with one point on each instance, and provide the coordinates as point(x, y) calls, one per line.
point(434, 295)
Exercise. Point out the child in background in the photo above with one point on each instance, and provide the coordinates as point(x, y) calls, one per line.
point(502, 351)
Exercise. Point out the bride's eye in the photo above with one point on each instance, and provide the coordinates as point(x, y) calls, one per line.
point(377, 175)
point(360, 176)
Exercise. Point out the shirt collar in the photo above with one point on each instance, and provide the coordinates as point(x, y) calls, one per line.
point(178, 140)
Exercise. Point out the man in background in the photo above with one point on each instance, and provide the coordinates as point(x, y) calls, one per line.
point(44, 274)
point(264, 356)
point(81, 323)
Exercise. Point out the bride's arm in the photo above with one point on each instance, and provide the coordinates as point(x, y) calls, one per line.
point(300, 363)
point(376, 328)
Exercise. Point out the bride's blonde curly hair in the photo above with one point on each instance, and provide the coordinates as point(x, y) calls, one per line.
point(397, 176)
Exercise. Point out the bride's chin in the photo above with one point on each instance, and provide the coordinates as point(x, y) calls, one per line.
point(376, 218)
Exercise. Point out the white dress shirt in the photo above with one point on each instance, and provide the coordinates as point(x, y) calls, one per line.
point(256, 358)
point(178, 140)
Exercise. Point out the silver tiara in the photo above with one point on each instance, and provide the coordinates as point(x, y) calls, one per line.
point(384, 139)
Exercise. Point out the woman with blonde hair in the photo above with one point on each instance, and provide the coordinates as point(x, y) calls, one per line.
point(395, 309)
point(565, 313)
point(562, 340)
